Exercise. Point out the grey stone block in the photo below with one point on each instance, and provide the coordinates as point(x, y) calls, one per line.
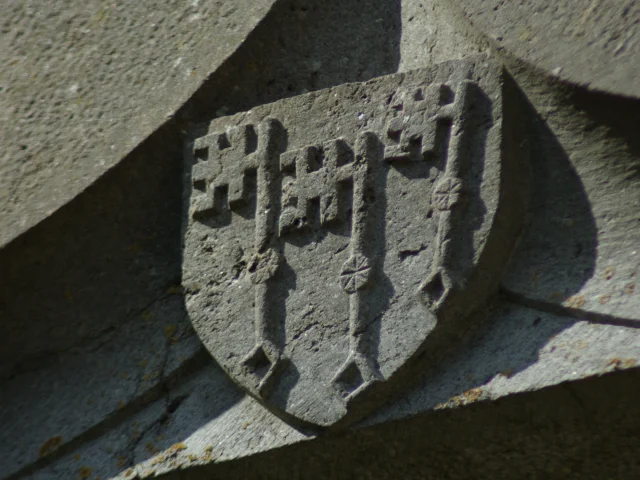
point(594, 44)
point(85, 82)
point(54, 408)
point(519, 351)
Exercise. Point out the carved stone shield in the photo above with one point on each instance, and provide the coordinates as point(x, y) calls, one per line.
point(338, 242)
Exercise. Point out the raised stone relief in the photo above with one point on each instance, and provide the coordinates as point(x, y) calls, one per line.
point(339, 242)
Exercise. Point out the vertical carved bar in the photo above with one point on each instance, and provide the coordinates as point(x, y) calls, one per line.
point(263, 361)
point(448, 194)
point(359, 370)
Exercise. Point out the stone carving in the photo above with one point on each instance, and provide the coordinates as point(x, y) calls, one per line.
point(330, 254)
point(429, 114)
point(320, 172)
point(243, 153)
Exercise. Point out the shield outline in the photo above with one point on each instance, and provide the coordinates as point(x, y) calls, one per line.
point(442, 291)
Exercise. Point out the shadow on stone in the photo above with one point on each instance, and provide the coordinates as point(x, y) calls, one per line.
point(557, 252)
point(585, 430)
point(96, 262)
point(303, 46)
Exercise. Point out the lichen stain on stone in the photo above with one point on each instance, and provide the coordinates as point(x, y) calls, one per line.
point(50, 446)
point(169, 331)
point(84, 473)
point(604, 299)
point(470, 396)
point(608, 273)
point(175, 448)
point(575, 301)
point(621, 363)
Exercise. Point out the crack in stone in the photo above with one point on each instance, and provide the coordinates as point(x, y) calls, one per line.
point(579, 314)
point(161, 390)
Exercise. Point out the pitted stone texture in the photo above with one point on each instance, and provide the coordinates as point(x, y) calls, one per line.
point(84, 82)
point(430, 36)
point(352, 184)
point(595, 43)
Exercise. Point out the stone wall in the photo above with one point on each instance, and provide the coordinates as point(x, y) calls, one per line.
point(102, 373)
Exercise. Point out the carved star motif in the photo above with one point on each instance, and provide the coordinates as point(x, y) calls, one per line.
point(448, 193)
point(355, 273)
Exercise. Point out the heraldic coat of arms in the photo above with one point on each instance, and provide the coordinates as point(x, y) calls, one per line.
point(338, 242)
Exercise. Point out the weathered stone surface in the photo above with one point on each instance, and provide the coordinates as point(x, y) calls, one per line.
point(583, 431)
point(430, 36)
point(96, 263)
point(595, 43)
point(378, 226)
point(85, 82)
point(520, 350)
point(97, 268)
point(94, 383)
point(581, 250)
point(578, 251)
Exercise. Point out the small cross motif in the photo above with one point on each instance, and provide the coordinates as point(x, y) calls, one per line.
point(221, 178)
point(448, 193)
point(319, 170)
point(413, 133)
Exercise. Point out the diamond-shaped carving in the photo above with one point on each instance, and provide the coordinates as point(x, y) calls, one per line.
point(348, 379)
point(261, 366)
point(434, 290)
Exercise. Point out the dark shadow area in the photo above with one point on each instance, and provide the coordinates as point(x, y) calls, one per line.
point(586, 430)
point(557, 251)
point(620, 115)
point(95, 262)
point(301, 46)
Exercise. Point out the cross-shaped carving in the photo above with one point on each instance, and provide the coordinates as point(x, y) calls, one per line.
point(229, 158)
point(319, 170)
point(413, 132)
